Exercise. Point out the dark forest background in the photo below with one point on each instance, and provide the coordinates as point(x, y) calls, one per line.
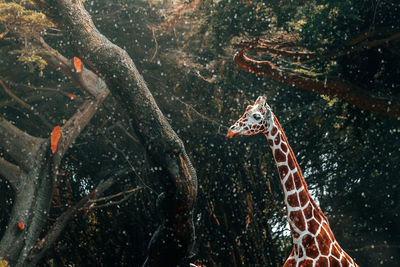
point(349, 155)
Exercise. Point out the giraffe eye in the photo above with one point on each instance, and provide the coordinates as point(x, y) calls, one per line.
point(257, 116)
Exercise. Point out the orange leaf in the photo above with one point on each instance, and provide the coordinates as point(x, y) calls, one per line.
point(71, 96)
point(21, 225)
point(77, 64)
point(55, 137)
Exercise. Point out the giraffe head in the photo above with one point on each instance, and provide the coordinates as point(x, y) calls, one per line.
point(257, 118)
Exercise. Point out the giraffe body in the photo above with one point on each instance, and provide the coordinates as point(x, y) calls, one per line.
point(313, 241)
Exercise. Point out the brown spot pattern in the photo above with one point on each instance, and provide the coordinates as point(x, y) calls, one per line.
point(322, 262)
point(279, 156)
point(289, 183)
point(312, 226)
point(335, 252)
point(306, 263)
point(344, 262)
point(283, 170)
point(270, 143)
point(291, 162)
point(333, 262)
point(308, 242)
point(308, 211)
point(297, 180)
point(297, 218)
point(277, 139)
point(273, 131)
point(323, 242)
point(284, 147)
point(292, 200)
point(304, 198)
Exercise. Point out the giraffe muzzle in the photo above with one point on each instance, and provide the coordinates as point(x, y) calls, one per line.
point(231, 134)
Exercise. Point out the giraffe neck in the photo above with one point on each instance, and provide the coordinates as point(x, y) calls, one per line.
point(313, 241)
point(300, 205)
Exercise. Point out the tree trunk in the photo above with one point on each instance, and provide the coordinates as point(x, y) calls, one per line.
point(175, 236)
point(33, 175)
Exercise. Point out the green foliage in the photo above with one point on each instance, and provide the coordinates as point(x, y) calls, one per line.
point(326, 23)
point(24, 25)
point(224, 20)
point(19, 20)
point(30, 57)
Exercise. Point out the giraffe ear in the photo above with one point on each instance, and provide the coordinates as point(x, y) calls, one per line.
point(261, 100)
point(268, 112)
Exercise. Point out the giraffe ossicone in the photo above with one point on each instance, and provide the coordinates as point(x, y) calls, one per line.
point(313, 241)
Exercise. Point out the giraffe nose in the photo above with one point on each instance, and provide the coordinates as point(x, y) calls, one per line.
point(233, 127)
point(230, 133)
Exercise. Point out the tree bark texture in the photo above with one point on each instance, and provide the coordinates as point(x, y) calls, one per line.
point(33, 172)
point(175, 236)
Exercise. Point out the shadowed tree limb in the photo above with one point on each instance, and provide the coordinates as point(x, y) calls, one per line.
point(62, 221)
point(38, 169)
point(72, 128)
point(88, 81)
point(19, 145)
point(25, 105)
point(10, 172)
point(331, 86)
point(174, 238)
point(301, 54)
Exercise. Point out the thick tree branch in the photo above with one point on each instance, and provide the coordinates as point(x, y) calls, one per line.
point(77, 123)
point(332, 87)
point(164, 146)
point(19, 145)
point(87, 80)
point(39, 167)
point(10, 172)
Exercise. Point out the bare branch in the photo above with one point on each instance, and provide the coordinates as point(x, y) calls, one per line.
point(10, 172)
point(62, 221)
point(25, 105)
point(18, 144)
point(87, 80)
point(127, 194)
point(58, 91)
point(115, 195)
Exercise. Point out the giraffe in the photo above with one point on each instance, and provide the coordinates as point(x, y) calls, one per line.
point(313, 241)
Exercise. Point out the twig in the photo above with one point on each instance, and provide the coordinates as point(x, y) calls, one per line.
point(156, 43)
point(128, 193)
point(131, 165)
point(115, 195)
point(38, 88)
point(25, 105)
point(62, 221)
point(190, 107)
